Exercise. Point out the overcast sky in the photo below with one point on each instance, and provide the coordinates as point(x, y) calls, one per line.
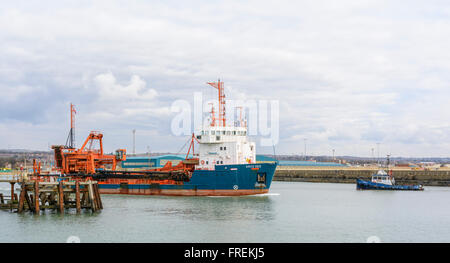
point(347, 74)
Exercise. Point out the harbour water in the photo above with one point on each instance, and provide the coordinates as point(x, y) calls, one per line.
point(291, 212)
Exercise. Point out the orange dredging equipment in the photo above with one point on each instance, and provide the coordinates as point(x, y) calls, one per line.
point(86, 160)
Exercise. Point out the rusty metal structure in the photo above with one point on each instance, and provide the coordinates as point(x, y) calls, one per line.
point(86, 160)
point(36, 167)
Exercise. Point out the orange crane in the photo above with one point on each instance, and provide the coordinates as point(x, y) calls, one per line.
point(86, 160)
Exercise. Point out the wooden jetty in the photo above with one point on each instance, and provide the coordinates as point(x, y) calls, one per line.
point(36, 195)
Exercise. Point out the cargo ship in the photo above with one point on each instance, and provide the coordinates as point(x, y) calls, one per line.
point(225, 164)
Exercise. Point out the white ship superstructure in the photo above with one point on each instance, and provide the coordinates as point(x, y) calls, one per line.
point(224, 145)
point(220, 144)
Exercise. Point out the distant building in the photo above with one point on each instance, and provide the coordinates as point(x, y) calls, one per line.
point(429, 165)
point(403, 165)
point(264, 158)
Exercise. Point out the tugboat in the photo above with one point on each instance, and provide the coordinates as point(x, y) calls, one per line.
point(384, 181)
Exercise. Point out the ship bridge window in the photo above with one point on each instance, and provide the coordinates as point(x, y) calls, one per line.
point(218, 138)
point(234, 132)
point(228, 133)
point(223, 132)
point(213, 132)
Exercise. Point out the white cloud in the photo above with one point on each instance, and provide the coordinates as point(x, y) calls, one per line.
point(126, 103)
point(111, 92)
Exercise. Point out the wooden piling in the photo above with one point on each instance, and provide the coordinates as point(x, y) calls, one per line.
point(32, 201)
point(28, 199)
point(91, 197)
point(12, 191)
point(36, 197)
point(12, 195)
point(21, 199)
point(84, 197)
point(94, 193)
point(77, 196)
point(99, 199)
point(43, 197)
point(61, 197)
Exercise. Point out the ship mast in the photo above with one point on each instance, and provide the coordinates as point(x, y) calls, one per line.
point(219, 86)
point(213, 115)
point(70, 142)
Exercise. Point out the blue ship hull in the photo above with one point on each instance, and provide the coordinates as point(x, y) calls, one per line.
point(368, 185)
point(228, 180)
